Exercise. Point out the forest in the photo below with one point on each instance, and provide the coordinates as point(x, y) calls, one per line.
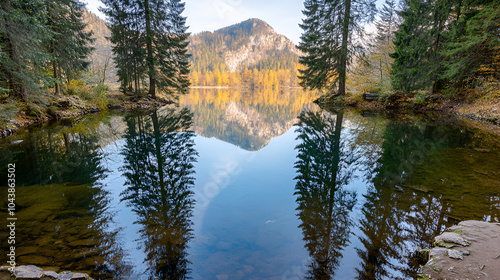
point(54, 52)
point(419, 46)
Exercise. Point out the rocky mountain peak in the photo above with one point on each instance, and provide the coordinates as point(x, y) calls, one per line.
point(245, 44)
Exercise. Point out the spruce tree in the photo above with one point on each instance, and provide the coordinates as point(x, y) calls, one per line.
point(150, 35)
point(417, 60)
point(22, 29)
point(69, 42)
point(328, 40)
point(473, 48)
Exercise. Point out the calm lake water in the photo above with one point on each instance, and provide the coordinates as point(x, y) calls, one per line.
point(242, 185)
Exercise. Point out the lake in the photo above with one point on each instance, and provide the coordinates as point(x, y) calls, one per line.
point(233, 184)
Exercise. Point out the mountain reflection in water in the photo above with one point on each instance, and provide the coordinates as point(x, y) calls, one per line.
point(232, 184)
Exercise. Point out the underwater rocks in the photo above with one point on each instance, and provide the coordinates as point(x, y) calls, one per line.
point(470, 250)
point(25, 272)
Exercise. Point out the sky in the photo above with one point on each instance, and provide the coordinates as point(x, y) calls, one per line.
point(209, 15)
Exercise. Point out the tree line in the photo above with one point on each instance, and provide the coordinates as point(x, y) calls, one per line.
point(418, 45)
point(45, 47)
point(150, 43)
point(43, 43)
point(251, 78)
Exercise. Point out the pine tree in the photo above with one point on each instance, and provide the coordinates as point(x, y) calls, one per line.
point(69, 42)
point(22, 29)
point(150, 35)
point(328, 40)
point(474, 47)
point(418, 63)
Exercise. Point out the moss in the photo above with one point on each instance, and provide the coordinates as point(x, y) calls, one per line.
point(435, 268)
point(423, 277)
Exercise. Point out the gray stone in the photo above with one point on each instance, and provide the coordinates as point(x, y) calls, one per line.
point(79, 276)
point(478, 224)
point(66, 275)
point(450, 239)
point(454, 254)
point(51, 274)
point(438, 252)
point(28, 272)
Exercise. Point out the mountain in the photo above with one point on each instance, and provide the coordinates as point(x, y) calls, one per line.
point(101, 57)
point(246, 118)
point(249, 44)
point(249, 54)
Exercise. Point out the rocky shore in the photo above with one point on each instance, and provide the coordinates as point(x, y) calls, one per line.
point(26, 272)
point(469, 250)
point(67, 107)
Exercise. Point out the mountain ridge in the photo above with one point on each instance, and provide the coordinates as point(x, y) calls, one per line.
point(241, 45)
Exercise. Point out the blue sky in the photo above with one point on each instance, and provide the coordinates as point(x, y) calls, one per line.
point(208, 15)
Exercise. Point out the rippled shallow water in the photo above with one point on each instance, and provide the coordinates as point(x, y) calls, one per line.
point(241, 185)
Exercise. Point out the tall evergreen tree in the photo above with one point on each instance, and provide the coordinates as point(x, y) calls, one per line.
point(69, 44)
point(22, 29)
point(417, 60)
point(474, 47)
point(331, 37)
point(150, 38)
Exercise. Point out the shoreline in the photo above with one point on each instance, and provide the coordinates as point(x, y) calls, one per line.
point(67, 111)
point(469, 250)
point(471, 111)
point(65, 108)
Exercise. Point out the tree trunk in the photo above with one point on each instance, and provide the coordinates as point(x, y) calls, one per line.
point(343, 51)
point(149, 47)
point(57, 89)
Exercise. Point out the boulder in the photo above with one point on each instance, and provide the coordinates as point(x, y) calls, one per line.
point(25, 272)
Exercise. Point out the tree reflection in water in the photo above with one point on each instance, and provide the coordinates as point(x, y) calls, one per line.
point(325, 166)
point(159, 156)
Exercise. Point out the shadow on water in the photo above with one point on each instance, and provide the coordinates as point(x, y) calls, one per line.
point(159, 156)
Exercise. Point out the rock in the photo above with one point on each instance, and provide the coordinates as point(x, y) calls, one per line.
point(477, 224)
point(28, 272)
point(16, 141)
point(35, 259)
point(82, 243)
point(438, 252)
point(465, 252)
point(65, 275)
point(79, 276)
point(21, 251)
point(51, 274)
point(369, 96)
point(481, 150)
point(454, 254)
point(450, 240)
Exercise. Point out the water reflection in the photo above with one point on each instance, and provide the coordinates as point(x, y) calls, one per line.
point(64, 220)
point(243, 117)
point(369, 190)
point(325, 167)
point(159, 155)
point(407, 201)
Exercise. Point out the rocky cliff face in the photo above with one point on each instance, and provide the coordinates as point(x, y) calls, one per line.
point(243, 45)
point(262, 42)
